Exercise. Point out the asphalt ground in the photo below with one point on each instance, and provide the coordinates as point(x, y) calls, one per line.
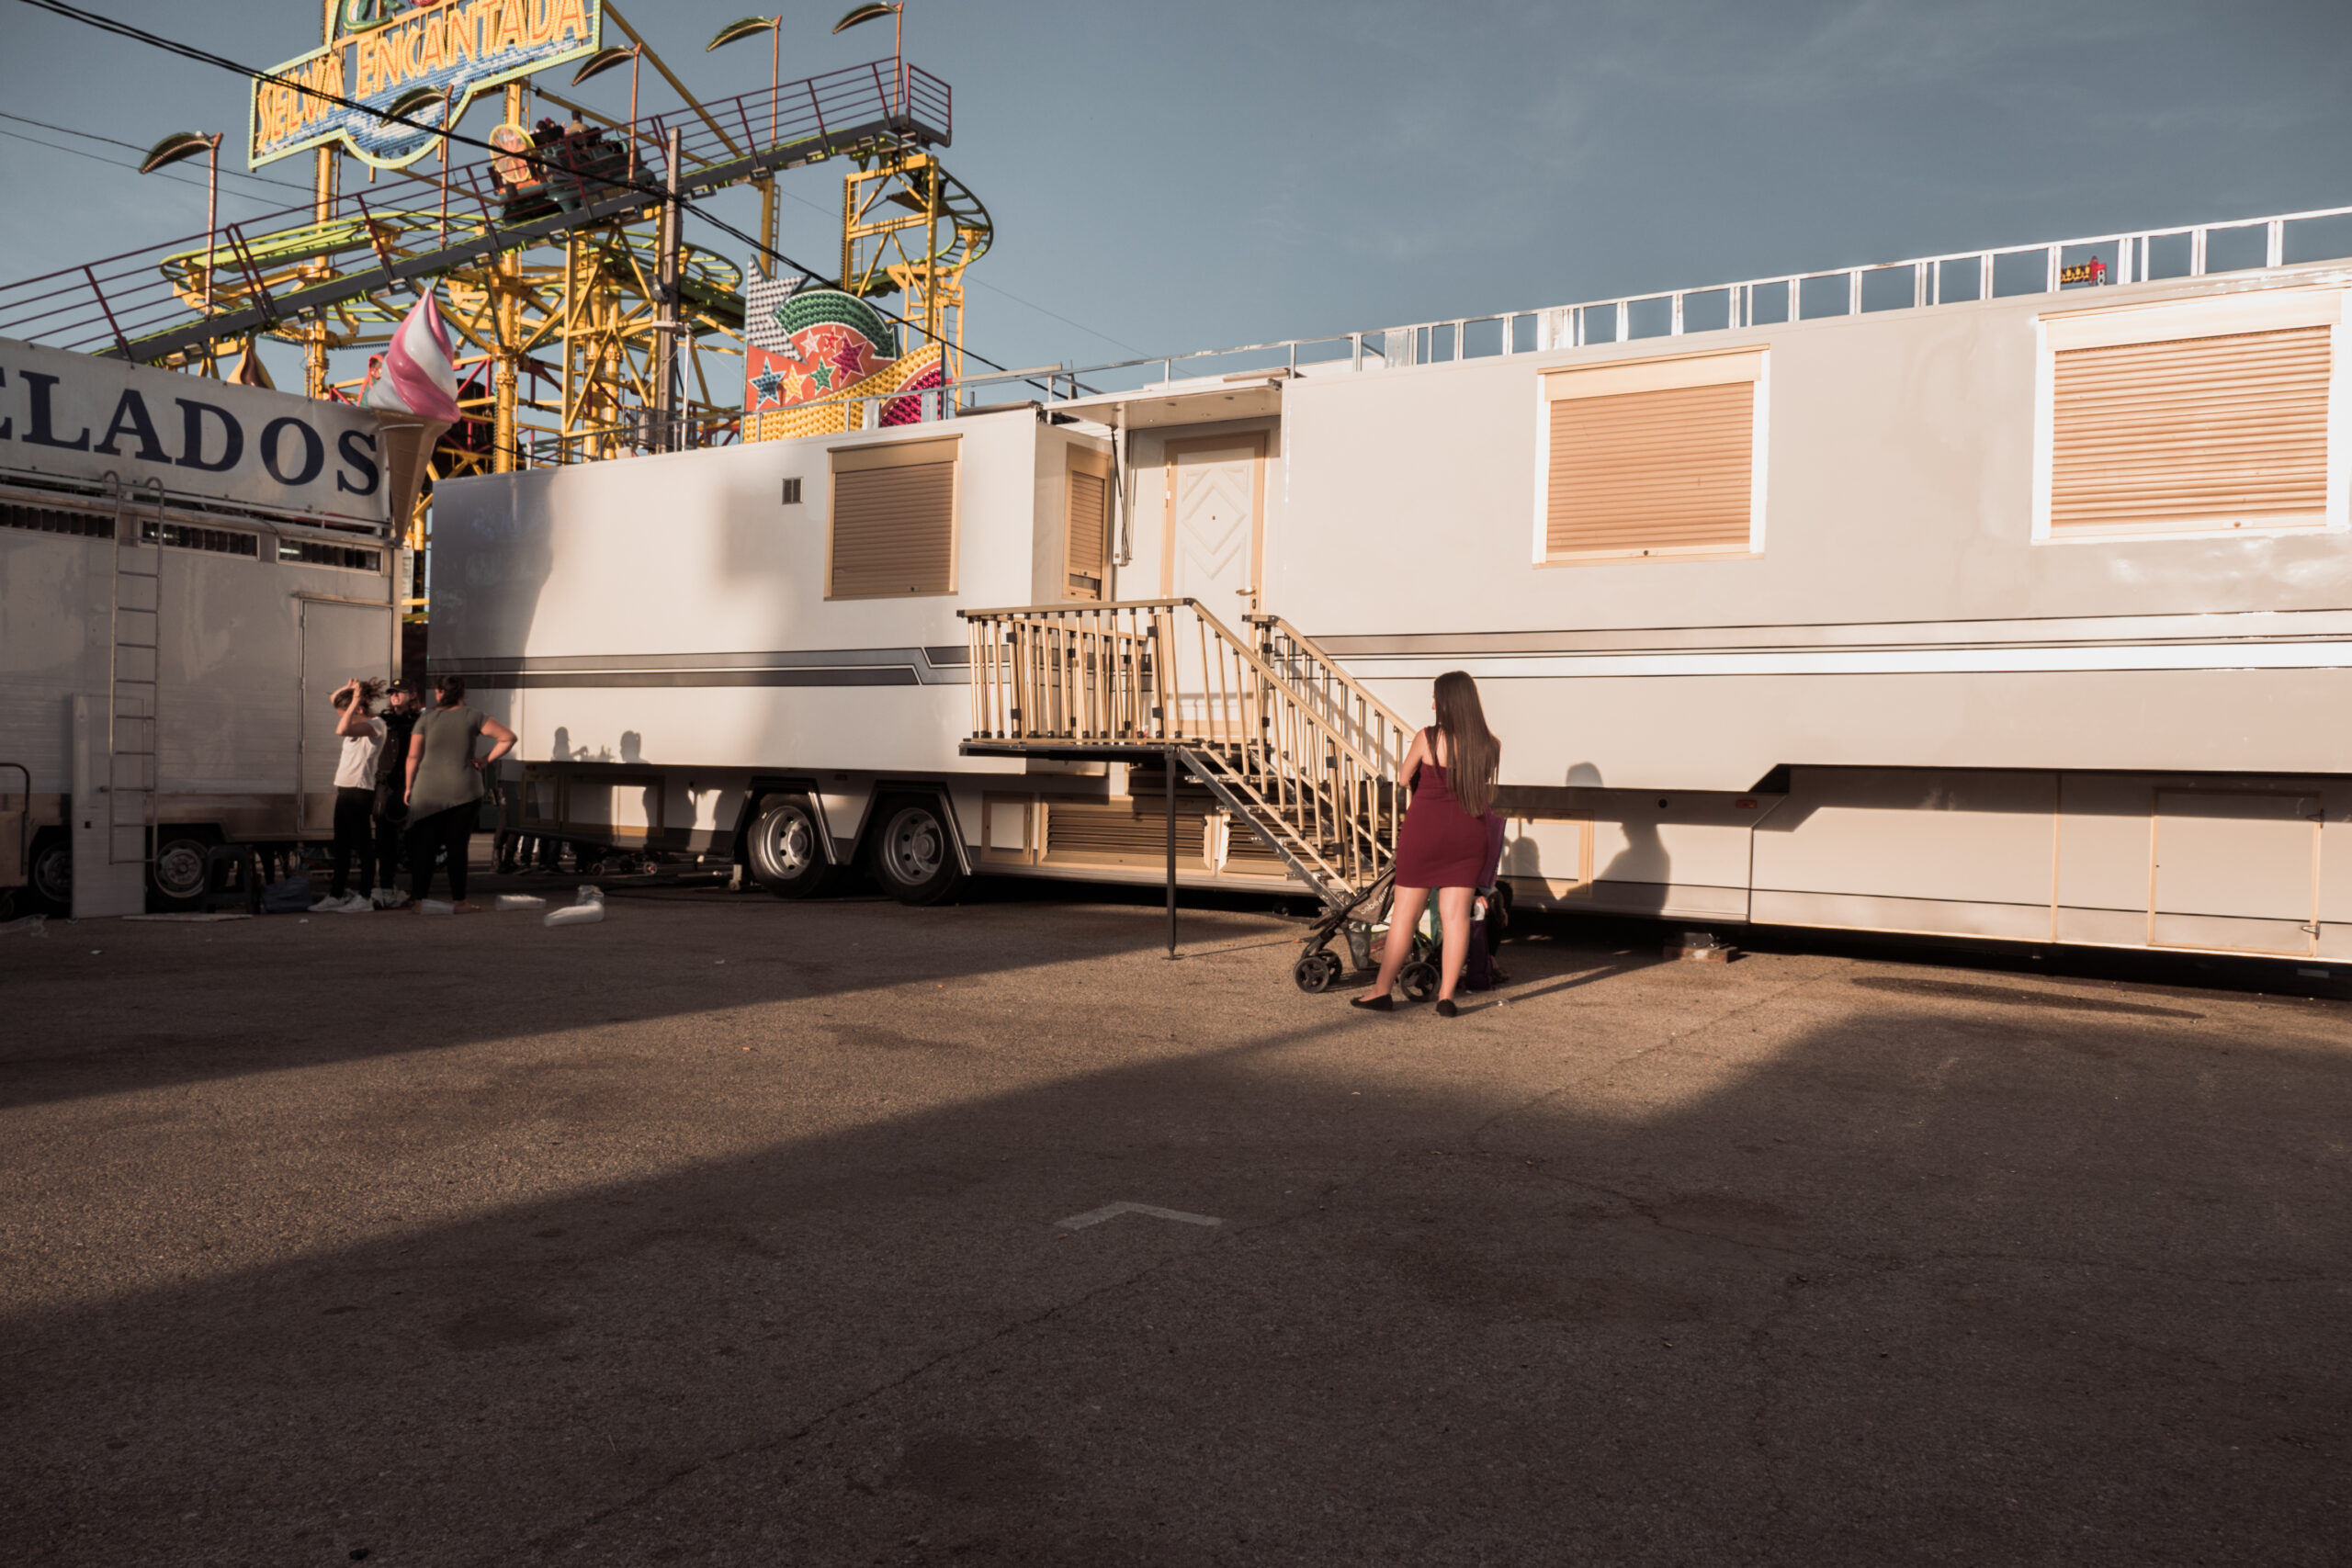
point(726, 1231)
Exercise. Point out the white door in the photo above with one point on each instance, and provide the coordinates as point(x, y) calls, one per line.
point(1212, 556)
point(1213, 524)
point(339, 641)
point(2234, 871)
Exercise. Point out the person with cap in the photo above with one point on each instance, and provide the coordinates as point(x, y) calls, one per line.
point(401, 705)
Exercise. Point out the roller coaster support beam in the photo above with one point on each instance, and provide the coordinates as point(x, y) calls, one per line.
point(665, 346)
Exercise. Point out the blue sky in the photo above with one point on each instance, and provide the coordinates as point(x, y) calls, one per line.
point(1173, 178)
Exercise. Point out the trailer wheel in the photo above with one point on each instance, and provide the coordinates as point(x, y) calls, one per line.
point(913, 857)
point(50, 876)
point(787, 848)
point(177, 877)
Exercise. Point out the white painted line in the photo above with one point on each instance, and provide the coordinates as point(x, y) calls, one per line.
point(1112, 1211)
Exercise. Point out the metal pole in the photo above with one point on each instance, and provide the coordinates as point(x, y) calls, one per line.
point(665, 347)
point(1170, 755)
point(211, 222)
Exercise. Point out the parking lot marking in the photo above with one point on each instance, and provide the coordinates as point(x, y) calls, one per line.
point(1112, 1211)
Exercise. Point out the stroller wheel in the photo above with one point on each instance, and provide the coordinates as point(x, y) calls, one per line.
point(1315, 973)
point(1418, 980)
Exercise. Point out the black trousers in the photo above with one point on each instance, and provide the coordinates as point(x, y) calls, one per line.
point(355, 834)
point(453, 830)
point(391, 848)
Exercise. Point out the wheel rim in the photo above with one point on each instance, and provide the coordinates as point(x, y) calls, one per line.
point(914, 846)
point(54, 873)
point(180, 869)
point(789, 847)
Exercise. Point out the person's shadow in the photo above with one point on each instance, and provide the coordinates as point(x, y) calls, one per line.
point(1636, 877)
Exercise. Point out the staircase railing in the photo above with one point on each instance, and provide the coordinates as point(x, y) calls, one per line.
point(1306, 758)
point(1371, 726)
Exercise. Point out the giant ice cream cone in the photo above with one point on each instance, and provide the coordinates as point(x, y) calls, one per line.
point(418, 379)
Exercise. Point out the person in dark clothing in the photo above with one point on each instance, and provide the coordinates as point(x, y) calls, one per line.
point(444, 786)
point(402, 705)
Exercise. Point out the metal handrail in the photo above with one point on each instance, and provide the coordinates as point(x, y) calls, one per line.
point(1120, 675)
point(2130, 257)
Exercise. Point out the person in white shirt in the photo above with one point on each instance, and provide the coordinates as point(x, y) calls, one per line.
point(355, 797)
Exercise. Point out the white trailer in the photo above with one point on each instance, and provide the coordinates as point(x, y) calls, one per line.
point(188, 571)
point(1906, 599)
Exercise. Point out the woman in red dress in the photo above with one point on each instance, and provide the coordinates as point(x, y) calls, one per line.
point(1443, 846)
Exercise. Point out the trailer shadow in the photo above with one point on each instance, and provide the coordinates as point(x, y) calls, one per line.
point(97, 1006)
point(1915, 1277)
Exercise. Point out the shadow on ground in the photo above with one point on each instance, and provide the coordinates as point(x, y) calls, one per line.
point(1666, 1266)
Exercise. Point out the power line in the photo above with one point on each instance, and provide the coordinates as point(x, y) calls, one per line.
point(118, 163)
point(997, 288)
point(134, 147)
point(206, 57)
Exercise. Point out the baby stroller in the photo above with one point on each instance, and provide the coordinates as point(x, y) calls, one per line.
point(1319, 968)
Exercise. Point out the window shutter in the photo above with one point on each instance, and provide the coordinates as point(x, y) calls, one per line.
point(2192, 434)
point(893, 521)
point(1089, 509)
point(1652, 470)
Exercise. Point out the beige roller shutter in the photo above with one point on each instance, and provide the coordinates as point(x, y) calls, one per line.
point(1652, 459)
point(2192, 434)
point(893, 529)
point(1085, 525)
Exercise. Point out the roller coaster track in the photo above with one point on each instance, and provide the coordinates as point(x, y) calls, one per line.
point(172, 299)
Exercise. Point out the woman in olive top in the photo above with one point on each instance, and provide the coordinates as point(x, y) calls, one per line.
point(444, 786)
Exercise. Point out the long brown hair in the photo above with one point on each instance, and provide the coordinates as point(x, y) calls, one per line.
point(1476, 754)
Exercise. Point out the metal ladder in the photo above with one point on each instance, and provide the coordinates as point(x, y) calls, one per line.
point(133, 681)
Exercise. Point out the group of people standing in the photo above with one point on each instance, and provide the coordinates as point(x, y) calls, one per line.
point(408, 784)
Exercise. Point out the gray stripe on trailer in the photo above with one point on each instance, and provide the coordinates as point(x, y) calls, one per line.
point(861, 675)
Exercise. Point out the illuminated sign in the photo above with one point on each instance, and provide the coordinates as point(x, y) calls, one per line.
point(386, 51)
point(2091, 271)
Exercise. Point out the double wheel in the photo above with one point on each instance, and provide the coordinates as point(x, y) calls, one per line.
point(909, 852)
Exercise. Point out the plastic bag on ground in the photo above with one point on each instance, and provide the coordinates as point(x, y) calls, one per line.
point(585, 910)
point(435, 906)
point(520, 901)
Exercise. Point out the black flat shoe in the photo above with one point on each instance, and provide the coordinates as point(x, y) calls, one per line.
point(1446, 1008)
point(1377, 1004)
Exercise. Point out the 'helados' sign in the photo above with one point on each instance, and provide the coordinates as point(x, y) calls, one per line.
point(385, 51)
point(74, 417)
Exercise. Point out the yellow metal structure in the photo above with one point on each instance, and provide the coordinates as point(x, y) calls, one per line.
point(560, 342)
point(909, 227)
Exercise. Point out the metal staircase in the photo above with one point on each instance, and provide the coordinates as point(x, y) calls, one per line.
point(1280, 735)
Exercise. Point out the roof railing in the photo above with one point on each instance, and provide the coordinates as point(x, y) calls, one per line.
point(2136, 256)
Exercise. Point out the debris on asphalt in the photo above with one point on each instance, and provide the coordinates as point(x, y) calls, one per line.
point(584, 910)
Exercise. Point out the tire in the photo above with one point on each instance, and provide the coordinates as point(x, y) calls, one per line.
point(1418, 980)
point(175, 880)
point(913, 854)
point(1315, 973)
point(786, 848)
point(50, 876)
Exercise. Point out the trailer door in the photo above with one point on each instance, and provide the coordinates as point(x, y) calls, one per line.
point(340, 639)
point(2236, 870)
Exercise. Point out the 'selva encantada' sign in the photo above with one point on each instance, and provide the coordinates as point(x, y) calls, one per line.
point(434, 53)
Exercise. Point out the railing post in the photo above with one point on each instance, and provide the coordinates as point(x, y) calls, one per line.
point(1168, 761)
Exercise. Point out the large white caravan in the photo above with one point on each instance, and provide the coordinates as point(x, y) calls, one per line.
point(188, 569)
point(1943, 597)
